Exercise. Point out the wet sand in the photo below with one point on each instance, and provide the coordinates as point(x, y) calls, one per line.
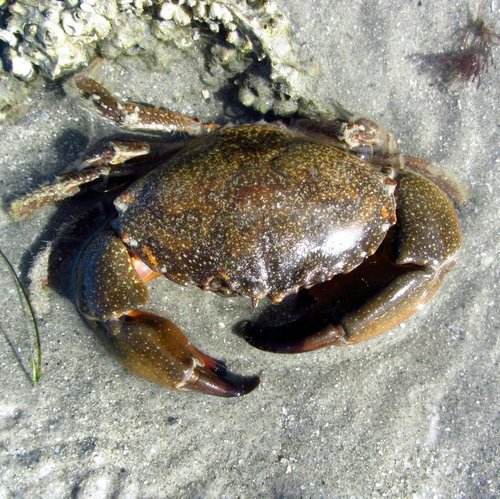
point(414, 412)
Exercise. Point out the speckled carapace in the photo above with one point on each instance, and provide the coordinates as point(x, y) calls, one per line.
point(257, 210)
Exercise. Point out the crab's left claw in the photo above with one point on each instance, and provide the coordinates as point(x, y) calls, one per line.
point(108, 292)
point(156, 349)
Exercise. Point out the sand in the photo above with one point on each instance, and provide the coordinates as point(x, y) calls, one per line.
point(412, 413)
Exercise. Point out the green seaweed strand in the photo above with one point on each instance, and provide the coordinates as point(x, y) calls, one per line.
point(36, 359)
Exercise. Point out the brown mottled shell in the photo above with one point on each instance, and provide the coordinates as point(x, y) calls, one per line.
point(257, 210)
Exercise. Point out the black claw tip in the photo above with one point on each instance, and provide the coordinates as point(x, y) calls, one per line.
point(222, 384)
point(241, 385)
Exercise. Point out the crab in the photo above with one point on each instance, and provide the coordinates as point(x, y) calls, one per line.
point(327, 208)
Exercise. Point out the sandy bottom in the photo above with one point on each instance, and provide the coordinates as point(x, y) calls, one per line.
point(412, 413)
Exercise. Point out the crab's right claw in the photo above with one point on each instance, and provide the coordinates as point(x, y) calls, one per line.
point(108, 293)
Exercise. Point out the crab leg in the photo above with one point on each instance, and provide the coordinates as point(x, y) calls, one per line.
point(139, 117)
point(100, 164)
point(114, 158)
point(108, 292)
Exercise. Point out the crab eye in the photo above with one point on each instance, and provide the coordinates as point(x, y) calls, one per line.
point(216, 284)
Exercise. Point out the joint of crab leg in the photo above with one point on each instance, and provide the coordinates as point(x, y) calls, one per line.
point(103, 100)
point(117, 152)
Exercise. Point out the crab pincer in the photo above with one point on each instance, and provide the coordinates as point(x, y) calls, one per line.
point(108, 292)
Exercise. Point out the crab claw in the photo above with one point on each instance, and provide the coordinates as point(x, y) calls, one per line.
point(156, 349)
point(108, 292)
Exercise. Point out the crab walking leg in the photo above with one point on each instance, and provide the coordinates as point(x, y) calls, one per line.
point(139, 117)
point(108, 292)
point(114, 158)
point(429, 241)
point(64, 187)
point(102, 163)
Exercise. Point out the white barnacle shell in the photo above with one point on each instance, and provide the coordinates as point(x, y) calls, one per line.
point(200, 10)
point(101, 26)
point(135, 6)
point(167, 11)
point(176, 13)
point(50, 34)
point(88, 6)
point(181, 17)
point(8, 37)
point(213, 27)
point(53, 14)
point(67, 58)
point(21, 67)
point(89, 24)
point(220, 12)
point(233, 37)
point(125, 4)
point(73, 22)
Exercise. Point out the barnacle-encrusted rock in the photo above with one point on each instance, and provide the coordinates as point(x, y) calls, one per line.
point(54, 37)
point(248, 41)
